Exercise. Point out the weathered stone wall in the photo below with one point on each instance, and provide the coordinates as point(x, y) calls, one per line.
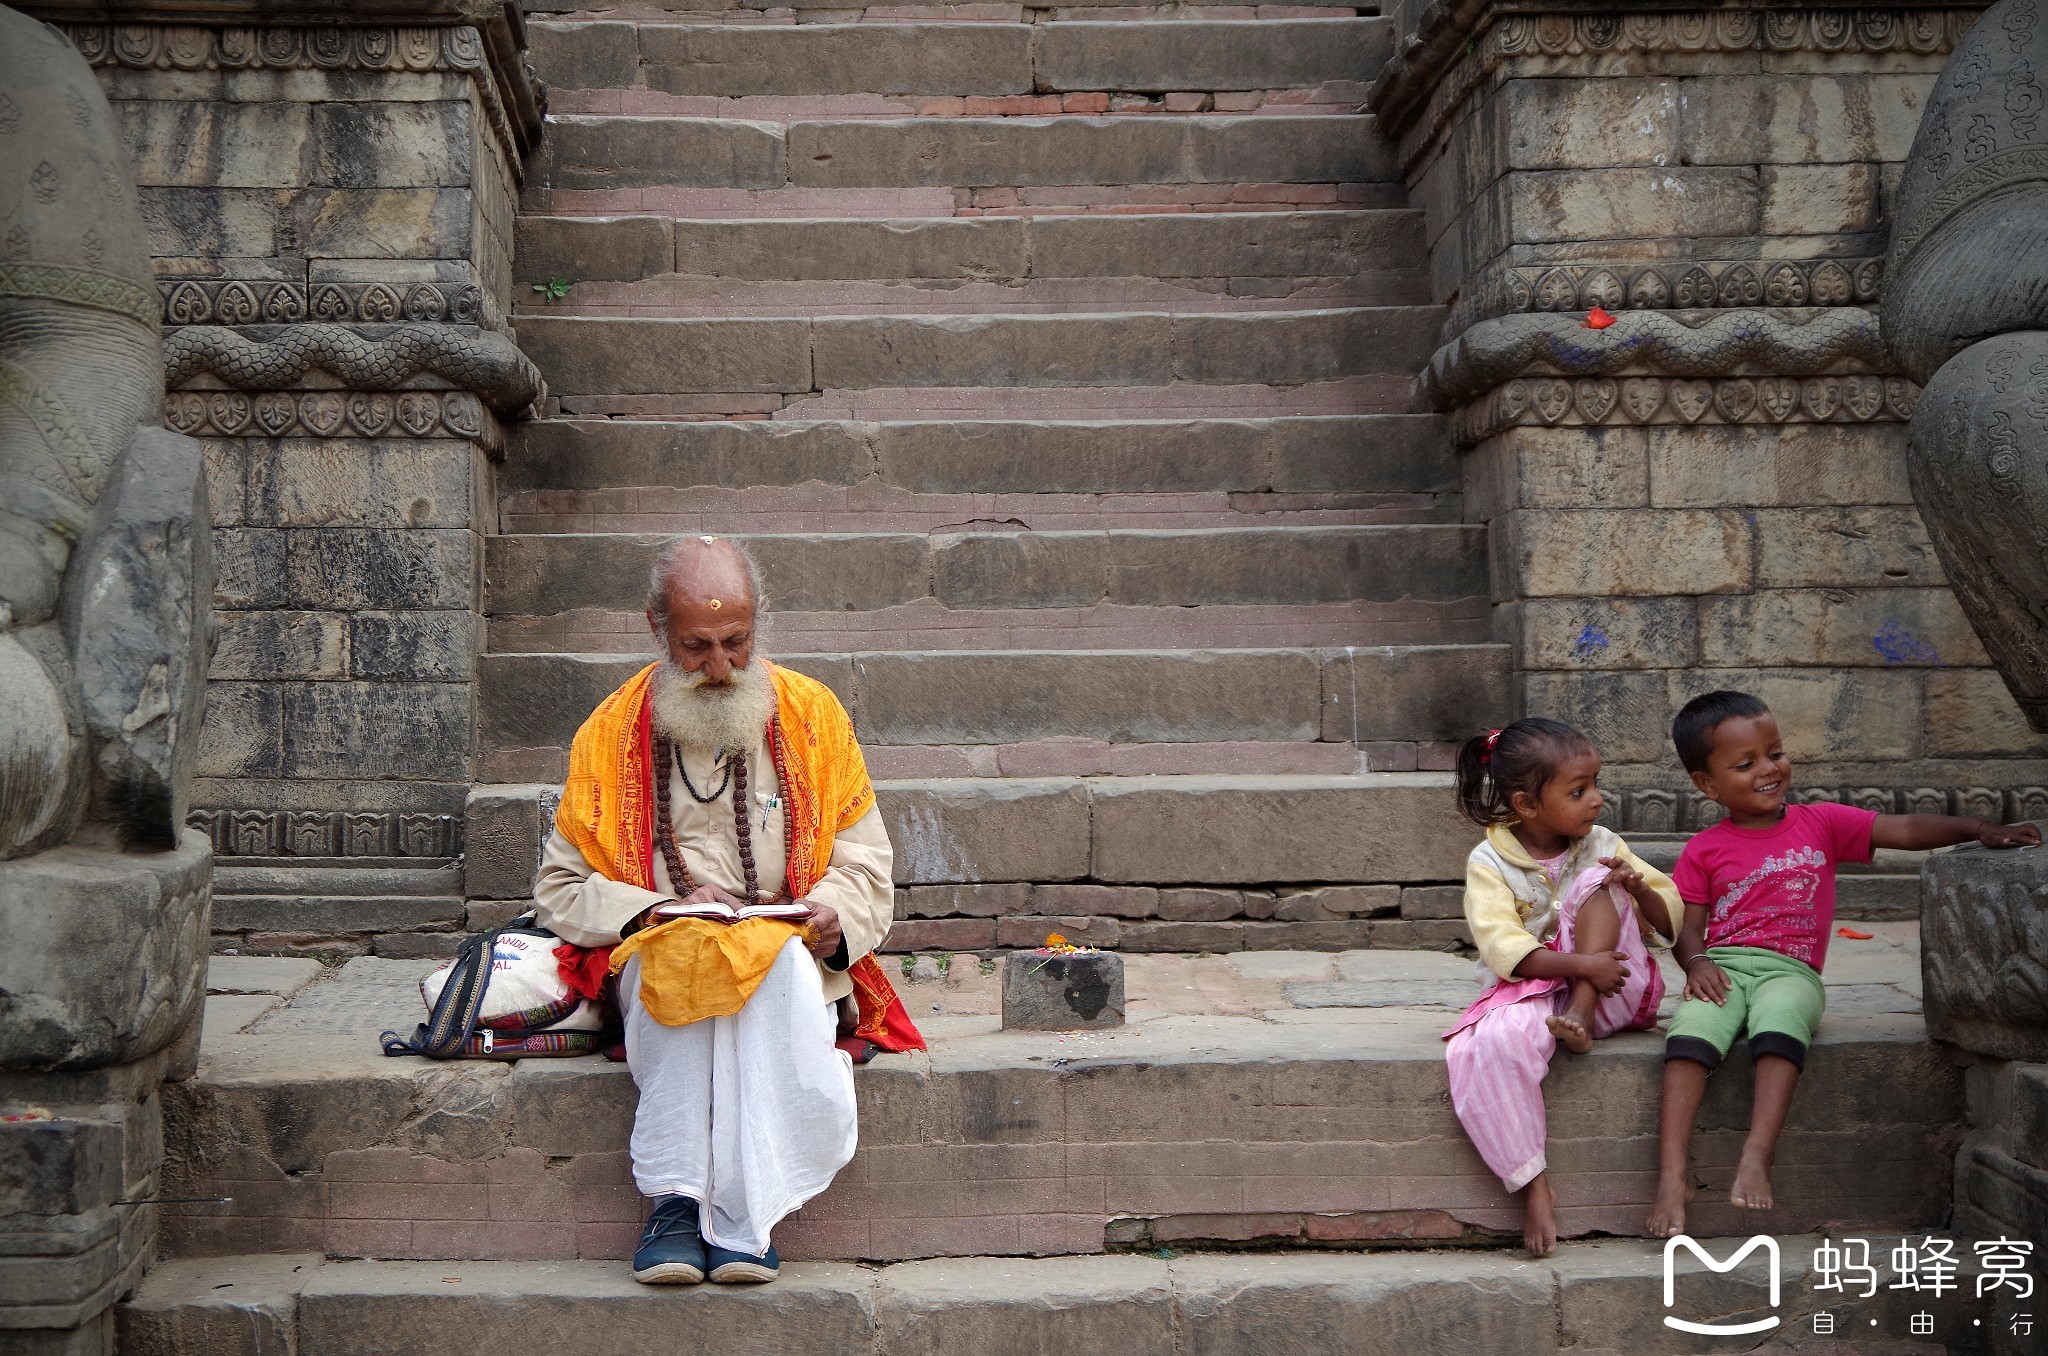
point(330, 211)
point(1711, 492)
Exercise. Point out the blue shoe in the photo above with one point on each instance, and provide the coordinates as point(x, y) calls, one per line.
point(671, 1250)
point(738, 1268)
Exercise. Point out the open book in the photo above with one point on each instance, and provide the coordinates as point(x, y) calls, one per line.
point(788, 910)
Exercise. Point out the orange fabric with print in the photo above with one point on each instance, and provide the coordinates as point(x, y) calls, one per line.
point(691, 969)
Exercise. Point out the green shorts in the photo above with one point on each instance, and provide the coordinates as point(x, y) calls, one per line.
point(1774, 1000)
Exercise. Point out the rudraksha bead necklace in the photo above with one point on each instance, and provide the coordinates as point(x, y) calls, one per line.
point(666, 755)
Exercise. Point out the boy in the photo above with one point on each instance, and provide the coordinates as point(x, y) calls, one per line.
point(1759, 896)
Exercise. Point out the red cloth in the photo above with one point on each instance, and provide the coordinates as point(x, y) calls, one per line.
point(586, 970)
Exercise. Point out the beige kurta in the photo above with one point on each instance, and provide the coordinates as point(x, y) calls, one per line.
point(581, 906)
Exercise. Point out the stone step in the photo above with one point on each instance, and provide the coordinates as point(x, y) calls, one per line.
point(1173, 401)
point(1435, 694)
point(1273, 245)
point(1446, 563)
point(582, 152)
point(312, 916)
point(730, 61)
point(613, 356)
point(1258, 1096)
point(928, 624)
point(1057, 200)
point(1211, 830)
point(1385, 1303)
point(832, 508)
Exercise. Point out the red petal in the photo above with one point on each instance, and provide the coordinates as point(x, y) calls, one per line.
point(1853, 934)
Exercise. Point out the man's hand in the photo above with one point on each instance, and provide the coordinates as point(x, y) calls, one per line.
point(709, 894)
point(1606, 970)
point(703, 894)
point(821, 930)
point(1704, 979)
point(2009, 835)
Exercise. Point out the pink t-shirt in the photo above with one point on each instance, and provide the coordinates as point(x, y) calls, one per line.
point(1775, 888)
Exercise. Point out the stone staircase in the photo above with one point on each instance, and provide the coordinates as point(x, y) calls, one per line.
point(1054, 364)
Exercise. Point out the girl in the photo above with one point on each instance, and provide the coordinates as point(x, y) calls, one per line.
point(1553, 900)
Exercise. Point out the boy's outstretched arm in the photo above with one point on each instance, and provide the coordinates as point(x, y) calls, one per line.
point(1916, 833)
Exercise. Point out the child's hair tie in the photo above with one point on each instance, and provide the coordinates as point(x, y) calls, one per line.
point(1492, 738)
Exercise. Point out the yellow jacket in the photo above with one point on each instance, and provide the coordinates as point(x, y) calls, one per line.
point(1511, 906)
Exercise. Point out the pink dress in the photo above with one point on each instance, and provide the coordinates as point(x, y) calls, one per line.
point(1499, 1050)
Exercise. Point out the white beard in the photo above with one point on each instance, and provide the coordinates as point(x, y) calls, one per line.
point(717, 718)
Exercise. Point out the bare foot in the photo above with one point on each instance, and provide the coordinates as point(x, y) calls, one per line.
point(1539, 1217)
point(1571, 1032)
point(1667, 1212)
point(1752, 1189)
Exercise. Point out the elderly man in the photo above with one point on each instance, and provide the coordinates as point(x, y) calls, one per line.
point(716, 782)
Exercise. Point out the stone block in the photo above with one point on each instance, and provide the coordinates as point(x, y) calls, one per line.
point(1843, 547)
point(192, 144)
point(572, 454)
point(1103, 901)
point(964, 901)
point(267, 646)
point(1422, 934)
point(1626, 204)
point(977, 248)
point(1971, 714)
point(1605, 633)
point(1604, 552)
point(1054, 991)
point(1223, 245)
point(1097, 1304)
point(212, 223)
point(940, 934)
point(1304, 346)
point(359, 144)
point(243, 731)
point(505, 828)
point(1276, 54)
point(606, 249)
point(1860, 628)
point(61, 1167)
point(1251, 830)
point(1433, 902)
point(1821, 199)
point(597, 152)
point(406, 223)
point(1557, 468)
point(1984, 932)
point(412, 646)
point(1002, 152)
point(1385, 1307)
point(400, 729)
point(395, 569)
point(1853, 715)
point(1626, 715)
point(1803, 119)
point(1192, 937)
point(1031, 930)
point(1300, 565)
point(1781, 465)
point(852, 352)
point(605, 356)
point(1036, 569)
point(106, 955)
point(1338, 902)
point(972, 830)
point(601, 54)
point(1590, 124)
point(239, 1307)
point(736, 60)
point(547, 574)
point(1422, 692)
point(952, 697)
point(529, 701)
point(1200, 906)
point(347, 482)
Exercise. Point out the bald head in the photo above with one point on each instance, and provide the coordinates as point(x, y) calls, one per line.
point(702, 597)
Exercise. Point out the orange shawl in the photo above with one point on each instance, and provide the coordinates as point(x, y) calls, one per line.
point(607, 811)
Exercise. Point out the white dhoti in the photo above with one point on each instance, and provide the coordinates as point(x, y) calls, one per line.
point(750, 1115)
